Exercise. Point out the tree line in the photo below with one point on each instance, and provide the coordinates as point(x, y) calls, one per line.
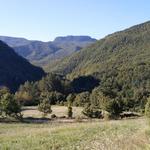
point(98, 98)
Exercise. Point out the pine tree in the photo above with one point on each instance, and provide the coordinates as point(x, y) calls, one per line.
point(45, 107)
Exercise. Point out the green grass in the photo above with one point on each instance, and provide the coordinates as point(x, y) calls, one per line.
point(103, 135)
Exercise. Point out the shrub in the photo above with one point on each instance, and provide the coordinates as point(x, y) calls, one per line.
point(53, 116)
point(92, 111)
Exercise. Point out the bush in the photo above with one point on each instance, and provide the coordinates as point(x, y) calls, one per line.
point(92, 111)
point(53, 116)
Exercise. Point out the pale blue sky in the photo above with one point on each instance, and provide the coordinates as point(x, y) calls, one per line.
point(46, 19)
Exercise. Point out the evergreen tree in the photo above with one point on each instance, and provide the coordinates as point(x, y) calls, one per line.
point(70, 113)
point(9, 106)
point(45, 107)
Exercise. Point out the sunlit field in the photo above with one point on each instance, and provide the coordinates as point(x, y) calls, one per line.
point(126, 134)
point(59, 111)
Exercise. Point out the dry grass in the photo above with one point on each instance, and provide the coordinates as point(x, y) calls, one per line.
point(57, 110)
point(131, 134)
point(108, 135)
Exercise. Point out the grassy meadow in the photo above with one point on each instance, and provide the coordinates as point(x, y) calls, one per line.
point(127, 134)
point(57, 110)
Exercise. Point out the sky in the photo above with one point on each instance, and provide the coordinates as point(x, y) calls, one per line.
point(46, 19)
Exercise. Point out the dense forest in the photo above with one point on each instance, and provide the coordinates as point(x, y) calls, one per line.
point(111, 75)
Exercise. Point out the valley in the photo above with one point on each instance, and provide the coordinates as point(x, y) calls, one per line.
point(75, 92)
point(44, 54)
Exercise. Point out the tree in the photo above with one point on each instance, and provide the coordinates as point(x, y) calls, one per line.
point(108, 101)
point(4, 90)
point(81, 99)
point(45, 107)
point(113, 106)
point(9, 106)
point(28, 94)
point(51, 82)
point(54, 97)
point(70, 113)
point(70, 98)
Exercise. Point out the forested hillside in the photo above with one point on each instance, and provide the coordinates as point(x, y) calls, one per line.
point(15, 70)
point(125, 48)
point(120, 61)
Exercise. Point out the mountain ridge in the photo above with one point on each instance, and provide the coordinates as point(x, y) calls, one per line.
point(16, 70)
point(43, 53)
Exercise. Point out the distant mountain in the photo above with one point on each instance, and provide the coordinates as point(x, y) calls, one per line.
point(13, 41)
point(15, 70)
point(46, 53)
point(74, 39)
